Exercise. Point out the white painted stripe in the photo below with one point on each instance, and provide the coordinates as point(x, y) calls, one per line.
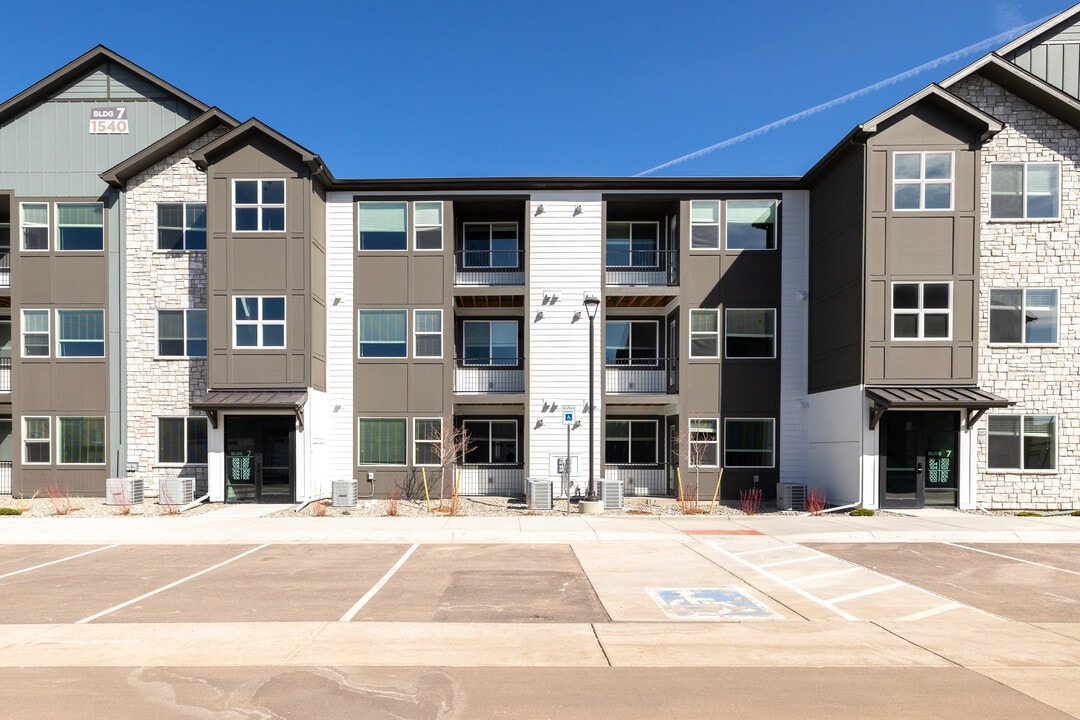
point(1014, 559)
point(931, 612)
point(871, 591)
point(378, 586)
point(53, 562)
point(171, 585)
point(761, 550)
point(791, 562)
point(821, 576)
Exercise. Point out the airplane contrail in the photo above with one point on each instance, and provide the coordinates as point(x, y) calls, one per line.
point(982, 45)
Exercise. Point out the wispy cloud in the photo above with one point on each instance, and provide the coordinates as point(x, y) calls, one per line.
point(900, 77)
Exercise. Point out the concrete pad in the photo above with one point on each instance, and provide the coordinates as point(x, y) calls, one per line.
point(487, 583)
point(1056, 687)
point(452, 645)
point(759, 645)
point(991, 643)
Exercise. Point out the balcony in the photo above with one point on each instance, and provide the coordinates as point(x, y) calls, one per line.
point(651, 377)
point(642, 267)
point(5, 268)
point(505, 480)
point(5, 374)
point(639, 479)
point(489, 375)
point(480, 268)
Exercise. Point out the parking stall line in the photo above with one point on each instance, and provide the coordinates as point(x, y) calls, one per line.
point(171, 585)
point(347, 617)
point(931, 612)
point(792, 562)
point(1014, 559)
point(53, 562)
point(871, 591)
point(822, 576)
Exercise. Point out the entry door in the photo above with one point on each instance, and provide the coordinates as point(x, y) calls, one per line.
point(919, 459)
point(260, 453)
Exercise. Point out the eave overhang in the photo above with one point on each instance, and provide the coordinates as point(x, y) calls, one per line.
point(205, 156)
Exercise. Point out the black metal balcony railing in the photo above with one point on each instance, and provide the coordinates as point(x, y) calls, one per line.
point(652, 375)
point(652, 479)
point(489, 375)
point(489, 267)
point(491, 479)
point(5, 374)
point(642, 267)
point(5, 477)
point(5, 268)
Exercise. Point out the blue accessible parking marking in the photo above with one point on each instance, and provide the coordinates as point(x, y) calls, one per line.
point(724, 603)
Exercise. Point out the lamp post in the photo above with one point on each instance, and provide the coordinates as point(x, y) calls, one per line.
point(591, 304)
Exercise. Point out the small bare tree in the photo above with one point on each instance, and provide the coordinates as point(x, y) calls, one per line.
point(450, 443)
point(694, 450)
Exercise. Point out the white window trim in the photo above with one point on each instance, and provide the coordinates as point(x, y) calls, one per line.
point(1023, 308)
point(157, 432)
point(157, 335)
point(488, 421)
point(58, 339)
point(48, 227)
point(690, 442)
point(405, 454)
point(1024, 193)
point(55, 232)
point(923, 181)
point(259, 206)
point(405, 340)
point(60, 440)
point(260, 324)
point(417, 334)
point(185, 249)
point(716, 334)
point(774, 338)
point(719, 225)
point(776, 225)
point(48, 333)
point(1024, 471)
point(921, 312)
point(629, 440)
point(428, 441)
point(48, 441)
point(409, 232)
point(411, 213)
point(772, 453)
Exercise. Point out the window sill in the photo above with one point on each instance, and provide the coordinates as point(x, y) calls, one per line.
point(1025, 221)
point(175, 466)
point(166, 358)
point(159, 251)
point(993, 346)
point(1018, 471)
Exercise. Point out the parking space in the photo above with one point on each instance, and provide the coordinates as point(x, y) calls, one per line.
point(1026, 583)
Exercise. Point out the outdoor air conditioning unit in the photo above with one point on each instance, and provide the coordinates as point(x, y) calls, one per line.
point(124, 491)
point(344, 493)
point(538, 494)
point(790, 496)
point(611, 492)
point(176, 491)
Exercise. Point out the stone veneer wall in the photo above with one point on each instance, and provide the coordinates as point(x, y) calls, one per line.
point(161, 280)
point(1042, 380)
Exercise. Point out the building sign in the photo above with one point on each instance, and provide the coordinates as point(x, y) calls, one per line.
point(108, 121)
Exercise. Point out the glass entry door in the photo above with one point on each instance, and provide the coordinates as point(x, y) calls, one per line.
point(260, 452)
point(919, 459)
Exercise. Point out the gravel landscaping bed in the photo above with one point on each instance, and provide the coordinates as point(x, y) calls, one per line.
point(88, 507)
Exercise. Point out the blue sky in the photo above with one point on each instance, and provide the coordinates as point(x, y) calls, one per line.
point(422, 88)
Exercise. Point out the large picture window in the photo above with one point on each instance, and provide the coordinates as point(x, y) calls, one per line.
point(1024, 316)
point(383, 225)
point(80, 333)
point(182, 333)
point(491, 342)
point(630, 442)
point(1021, 442)
point(633, 244)
point(181, 226)
point(381, 441)
point(491, 442)
point(490, 246)
point(749, 442)
point(922, 311)
point(82, 440)
point(750, 333)
point(1025, 191)
point(631, 342)
point(750, 225)
point(383, 333)
point(80, 226)
point(259, 205)
point(258, 322)
point(182, 441)
point(922, 180)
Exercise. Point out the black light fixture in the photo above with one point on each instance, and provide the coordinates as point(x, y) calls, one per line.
point(592, 303)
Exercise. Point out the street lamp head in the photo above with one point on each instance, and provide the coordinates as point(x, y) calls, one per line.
point(591, 304)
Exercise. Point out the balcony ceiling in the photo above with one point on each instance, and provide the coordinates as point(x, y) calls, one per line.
point(489, 301)
point(638, 301)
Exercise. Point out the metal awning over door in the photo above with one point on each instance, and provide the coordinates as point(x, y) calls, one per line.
point(972, 400)
point(216, 400)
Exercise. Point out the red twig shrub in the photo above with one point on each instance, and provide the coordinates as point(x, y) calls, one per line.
point(815, 501)
point(59, 495)
point(393, 504)
point(750, 501)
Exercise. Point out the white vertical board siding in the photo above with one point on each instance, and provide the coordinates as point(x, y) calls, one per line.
point(312, 481)
point(565, 257)
point(794, 284)
point(340, 355)
point(841, 448)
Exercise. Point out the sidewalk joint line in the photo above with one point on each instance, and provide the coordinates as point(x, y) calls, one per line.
point(600, 645)
point(347, 617)
point(63, 559)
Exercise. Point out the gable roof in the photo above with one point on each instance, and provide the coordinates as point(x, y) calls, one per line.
point(204, 155)
point(945, 100)
point(118, 175)
point(77, 69)
point(1024, 85)
point(1033, 34)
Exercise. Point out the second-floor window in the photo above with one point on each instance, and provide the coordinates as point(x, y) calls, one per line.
point(427, 333)
point(1025, 191)
point(631, 342)
point(182, 333)
point(922, 180)
point(383, 333)
point(181, 226)
point(35, 333)
point(80, 333)
point(750, 333)
point(259, 205)
point(490, 342)
point(80, 226)
point(1024, 316)
point(922, 311)
point(259, 322)
point(489, 245)
point(704, 333)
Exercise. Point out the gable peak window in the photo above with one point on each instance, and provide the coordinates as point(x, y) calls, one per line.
point(259, 322)
point(922, 310)
point(922, 180)
point(259, 205)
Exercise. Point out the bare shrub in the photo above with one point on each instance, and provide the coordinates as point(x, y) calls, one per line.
point(319, 508)
point(393, 504)
point(412, 487)
point(815, 501)
point(750, 501)
point(59, 495)
point(165, 501)
point(449, 446)
point(694, 454)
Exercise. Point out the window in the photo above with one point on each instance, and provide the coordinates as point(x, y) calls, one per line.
point(381, 441)
point(750, 333)
point(427, 441)
point(633, 244)
point(705, 224)
point(181, 226)
point(80, 333)
point(182, 333)
point(259, 322)
point(383, 334)
point(631, 342)
point(748, 442)
point(35, 226)
point(704, 445)
point(921, 311)
point(259, 205)
point(82, 440)
point(427, 225)
point(1025, 191)
point(704, 333)
point(491, 442)
point(182, 441)
point(490, 245)
point(630, 442)
point(922, 180)
point(1021, 442)
point(80, 226)
point(750, 225)
point(35, 333)
point(1028, 316)
point(37, 440)
point(382, 225)
point(491, 342)
point(427, 333)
